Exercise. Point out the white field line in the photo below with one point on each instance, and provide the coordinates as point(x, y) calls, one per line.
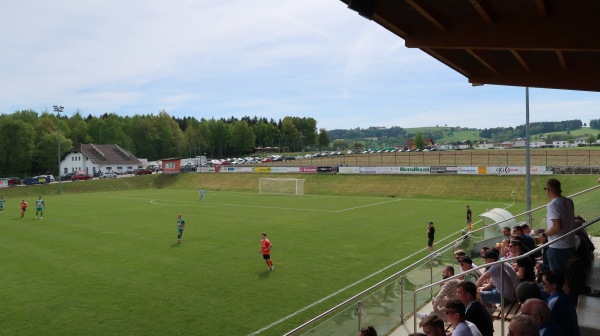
point(368, 205)
point(332, 295)
point(155, 201)
point(212, 204)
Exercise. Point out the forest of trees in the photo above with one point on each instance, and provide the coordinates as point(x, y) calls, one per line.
point(377, 137)
point(507, 133)
point(29, 140)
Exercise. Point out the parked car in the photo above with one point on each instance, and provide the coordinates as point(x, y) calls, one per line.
point(42, 179)
point(81, 177)
point(66, 177)
point(14, 181)
point(108, 175)
point(187, 168)
point(142, 171)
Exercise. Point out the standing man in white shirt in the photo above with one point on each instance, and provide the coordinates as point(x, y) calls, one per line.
point(560, 214)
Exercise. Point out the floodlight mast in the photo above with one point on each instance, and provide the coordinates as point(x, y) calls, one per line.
point(58, 109)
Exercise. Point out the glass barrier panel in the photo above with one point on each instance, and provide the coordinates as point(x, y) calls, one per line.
point(344, 323)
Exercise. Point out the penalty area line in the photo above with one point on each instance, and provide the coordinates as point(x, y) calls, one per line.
point(329, 296)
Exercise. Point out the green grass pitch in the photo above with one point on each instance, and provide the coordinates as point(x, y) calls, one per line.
point(107, 263)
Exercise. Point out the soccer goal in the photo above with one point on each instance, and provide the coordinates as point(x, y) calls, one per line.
point(287, 186)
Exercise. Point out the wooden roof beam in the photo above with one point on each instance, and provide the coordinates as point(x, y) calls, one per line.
point(582, 38)
point(561, 59)
point(542, 7)
point(520, 60)
point(393, 24)
point(446, 61)
point(582, 79)
point(482, 61)
point(430, 13)
point(483, 8)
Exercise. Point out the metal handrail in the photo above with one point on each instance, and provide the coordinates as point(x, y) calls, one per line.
point(503, 261)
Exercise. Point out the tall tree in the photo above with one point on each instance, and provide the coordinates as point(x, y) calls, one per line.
point(591, 139)
point(340, 143)
point(170, 135)
point(242, 138)
point(45, 156)
point(219, 137)
point(204, 136)
point(144, 135)
point(419, 141)
point(16, 145)
point(289, 132)
point(323, 138)
point(79, 129)
point(265, 133)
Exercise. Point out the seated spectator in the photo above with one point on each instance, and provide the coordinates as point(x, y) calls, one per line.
point(495, 250)
point(490, 293)
point(455, 314)
point(584, 248)
point(561, 306)
point(505, 251)
point(506, 232)
point(459, 253)
point(543, 240)
point(483, 251)
point(433, 325)
point(524, 267)
point(539, 311)
point(466, 264)
point(527, 290)
point(527, 230)
point(475, 312)
point(523, 325)
point(368, 331)
point(447, 293)
point(527, 240)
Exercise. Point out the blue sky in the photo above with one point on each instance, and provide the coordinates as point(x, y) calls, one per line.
point(268, 58)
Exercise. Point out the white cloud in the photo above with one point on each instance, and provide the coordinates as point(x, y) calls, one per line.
point(268, 58)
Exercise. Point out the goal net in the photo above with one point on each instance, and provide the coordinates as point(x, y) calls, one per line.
point(287, 186)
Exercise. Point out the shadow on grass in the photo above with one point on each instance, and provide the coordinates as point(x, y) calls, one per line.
point(175, 245)
point(264, 274)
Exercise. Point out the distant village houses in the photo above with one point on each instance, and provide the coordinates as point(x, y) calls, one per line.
point(410, 143)
point(486, 145)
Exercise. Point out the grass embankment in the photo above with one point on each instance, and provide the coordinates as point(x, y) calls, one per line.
point(469, 187)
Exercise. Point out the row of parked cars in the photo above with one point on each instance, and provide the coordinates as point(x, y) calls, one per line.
point(73, 176)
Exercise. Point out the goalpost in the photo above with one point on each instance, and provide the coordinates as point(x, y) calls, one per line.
point(287, 186)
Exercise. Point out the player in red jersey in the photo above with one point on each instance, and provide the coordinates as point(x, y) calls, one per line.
point(23, 208)
point(265, 249)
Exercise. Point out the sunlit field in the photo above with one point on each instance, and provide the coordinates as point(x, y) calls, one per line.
point(108, 263)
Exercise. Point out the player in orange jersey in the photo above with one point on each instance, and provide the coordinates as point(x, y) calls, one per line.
point(265, 249)
point(23, 208)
